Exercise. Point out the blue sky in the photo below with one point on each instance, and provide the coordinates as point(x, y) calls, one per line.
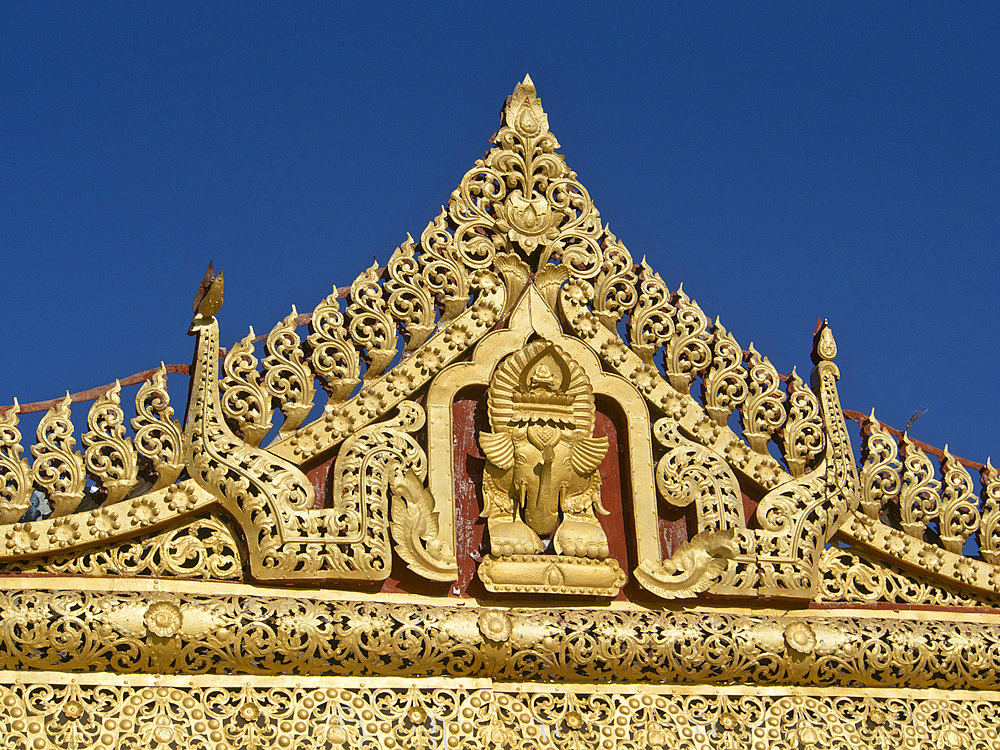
point(782, 161)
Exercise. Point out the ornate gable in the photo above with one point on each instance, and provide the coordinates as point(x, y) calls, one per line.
point(536, 464)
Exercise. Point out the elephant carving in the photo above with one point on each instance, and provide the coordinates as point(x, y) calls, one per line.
point(541, 487)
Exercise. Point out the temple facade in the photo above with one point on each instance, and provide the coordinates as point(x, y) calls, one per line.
point(509, 490)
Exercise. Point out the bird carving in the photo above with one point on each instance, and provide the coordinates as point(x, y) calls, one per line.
point(208, 298)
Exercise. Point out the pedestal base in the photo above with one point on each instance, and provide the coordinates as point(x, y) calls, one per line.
point(552, 574)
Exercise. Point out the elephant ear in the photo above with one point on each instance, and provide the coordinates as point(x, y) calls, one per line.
point(498, 447)
point(588, 452)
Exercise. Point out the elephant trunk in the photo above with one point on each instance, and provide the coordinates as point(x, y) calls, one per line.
point(541, 512)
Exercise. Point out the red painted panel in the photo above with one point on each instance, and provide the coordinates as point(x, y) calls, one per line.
point(469, 417)
point(611, 493)
point(319, 476)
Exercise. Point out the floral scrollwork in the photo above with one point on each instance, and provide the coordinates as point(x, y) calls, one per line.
point(109, 457)
point(230, 714)
point(205, 549)
point(286, 375)
point(880, 467)
point(158, 436)
point(651, 324)
point(688, 351)
point(333, 356)
point(445, 275)
point(15, 471)
point(245, 400)
point(919, 498)
point(57, 469)
point(724, 387)
point(802, 437)
point(370, 325)
point(409, 299)
point(243, 634)
point(763, 411)
point(958, 516)
point(615, 292)
point(852, 575)
point(989, 531)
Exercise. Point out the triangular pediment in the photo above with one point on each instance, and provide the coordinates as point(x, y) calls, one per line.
point(519, 253)
point(510, 465)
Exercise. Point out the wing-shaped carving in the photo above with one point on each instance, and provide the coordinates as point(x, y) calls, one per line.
point(498, 447)
point(416, 529)
point(588, 452)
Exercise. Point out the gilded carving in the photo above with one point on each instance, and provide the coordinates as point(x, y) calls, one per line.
point(356, 529)
point(446, 344)
point(516, 275)
point(989, 535)
point(516, 287)
point(532, 319)
point(722, 555)
point(763, 411)
point(919, 498)
point(724, 387)
point(548, 280)
point(370, 325)
point(931, 560)
point(651, 324)
point(521, 203)
point(241, 633)
point(615, 292)
point(446, 276)
point(246, 403)
point(524, 191)
point(853, 575)
point(416, 527)
point(542, 480)
point(333, 357)
point(959, 516)
point(272, 500)
point(109, 458)
point(15, 472)
point(157, 434)
point(58, 470)
point(409, 300)
point(880, 468)
point(802, 436)
point(384, 714)
point(203, 549)
point(286, 376)
point(688, 351)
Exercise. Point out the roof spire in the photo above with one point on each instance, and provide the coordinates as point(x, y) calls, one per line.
point(523, 112)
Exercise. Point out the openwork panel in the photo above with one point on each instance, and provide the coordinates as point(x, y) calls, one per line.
point(168, 631)
point(165, 714)
point(203, 549)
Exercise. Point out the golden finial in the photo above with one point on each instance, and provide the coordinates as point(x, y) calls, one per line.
point(824, 345)
point(523, 111)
